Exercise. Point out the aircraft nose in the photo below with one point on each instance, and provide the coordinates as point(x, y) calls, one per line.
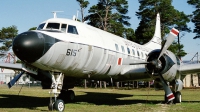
point(29, 46)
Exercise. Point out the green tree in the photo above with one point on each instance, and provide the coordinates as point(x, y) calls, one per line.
point(170, 18)
point(7, 35)
point(33, 28)
point(195, 17)
point(129, 34)
point(177, 49)
point(83, 4)
point(110, 15)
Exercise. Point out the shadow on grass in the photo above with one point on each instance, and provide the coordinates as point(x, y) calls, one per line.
point(30, 102)
point(20, 101)
point(112, 99)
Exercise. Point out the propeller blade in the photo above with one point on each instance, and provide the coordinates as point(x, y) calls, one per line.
point(173, 33)
point(15, 79)
point(168, 92)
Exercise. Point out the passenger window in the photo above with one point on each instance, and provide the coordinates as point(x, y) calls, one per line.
point(128, 50)
point(142, 54)
point(53, 26)
point(63, 27)
point(40, 26)
point(72, 29)
point(138, 53)
point(122, 48)
point(133, 51)
point(116, 47)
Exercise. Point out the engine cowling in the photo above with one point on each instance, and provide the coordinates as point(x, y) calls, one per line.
point(166, 65)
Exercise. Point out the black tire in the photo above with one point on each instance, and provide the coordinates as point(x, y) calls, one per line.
point(59, 105)
point(178, 97)
point(70, 96)
point(50, 107)
point(63, 95)
point(67, 96)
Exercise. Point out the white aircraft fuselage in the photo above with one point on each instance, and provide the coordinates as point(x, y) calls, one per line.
point(79, 50)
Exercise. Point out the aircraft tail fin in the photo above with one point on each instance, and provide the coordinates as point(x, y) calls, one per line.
point(155, 42)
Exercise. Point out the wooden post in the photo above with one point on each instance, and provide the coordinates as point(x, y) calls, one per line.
point(117, 85)
point(133, 84)
point(128, 85)
point(104, 84)
point(137, 84)
point(100, 84)
point(85, 83)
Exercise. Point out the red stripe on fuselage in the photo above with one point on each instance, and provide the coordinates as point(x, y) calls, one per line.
point(119, 61)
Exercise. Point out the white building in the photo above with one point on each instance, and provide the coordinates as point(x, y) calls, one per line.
point(191, 80)
point(6, 75)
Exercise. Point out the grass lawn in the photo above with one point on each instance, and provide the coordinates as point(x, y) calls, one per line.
point(35, 99)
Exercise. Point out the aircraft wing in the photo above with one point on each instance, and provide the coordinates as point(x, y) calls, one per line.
point(17, 66)
point(190, 68)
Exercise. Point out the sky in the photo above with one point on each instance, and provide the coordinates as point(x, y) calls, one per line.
point(30, 13)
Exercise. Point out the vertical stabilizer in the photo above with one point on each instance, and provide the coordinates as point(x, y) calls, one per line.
point(155, 42)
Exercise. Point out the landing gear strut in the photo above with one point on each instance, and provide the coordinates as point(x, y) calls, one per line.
point(57, 104)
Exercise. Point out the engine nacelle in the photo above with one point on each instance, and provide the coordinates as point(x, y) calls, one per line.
point(168, 63)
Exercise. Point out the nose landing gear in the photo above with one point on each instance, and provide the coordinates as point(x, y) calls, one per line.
point(57, 104)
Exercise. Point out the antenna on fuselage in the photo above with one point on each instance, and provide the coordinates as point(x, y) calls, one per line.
point(55, 12)
point(75, 18)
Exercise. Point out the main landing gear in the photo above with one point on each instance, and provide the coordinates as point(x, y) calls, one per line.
point(178, 98)
point(174, 96)
point(58, 97)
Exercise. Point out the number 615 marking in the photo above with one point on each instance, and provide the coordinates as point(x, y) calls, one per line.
point(71, 52)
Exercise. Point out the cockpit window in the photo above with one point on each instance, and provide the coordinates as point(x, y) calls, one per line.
point(40, 26)
point(178, 61)
point(72, 29)
point(63, 27)
point(53, 26)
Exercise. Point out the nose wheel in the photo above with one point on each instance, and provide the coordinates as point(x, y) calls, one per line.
point(59, 105)
point(56, 104)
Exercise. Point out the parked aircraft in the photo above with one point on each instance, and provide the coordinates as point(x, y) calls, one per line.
point(63, 50)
